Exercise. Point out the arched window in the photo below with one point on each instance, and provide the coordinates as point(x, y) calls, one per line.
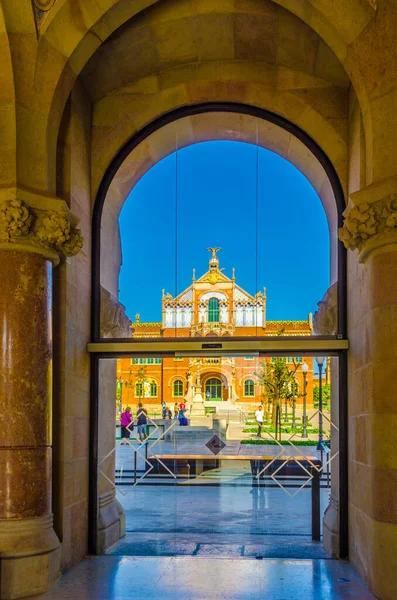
point(249, 388)
point(139, 390)
point(213, 389)
point(153, 389)
point(177, 388)
point(213, 310)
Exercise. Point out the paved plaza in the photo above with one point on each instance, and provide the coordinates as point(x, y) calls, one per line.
point(222, 512)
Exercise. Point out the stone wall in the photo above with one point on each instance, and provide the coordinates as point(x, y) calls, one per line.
point(72, 309)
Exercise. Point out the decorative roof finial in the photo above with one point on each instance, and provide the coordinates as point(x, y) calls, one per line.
point(194, 275)
point(214, 260)
point(233, 274)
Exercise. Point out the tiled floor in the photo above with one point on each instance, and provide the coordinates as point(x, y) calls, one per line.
point(229, 545)
point(219, 509)
point(185, 578)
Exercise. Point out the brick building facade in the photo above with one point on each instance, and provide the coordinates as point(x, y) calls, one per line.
point(213, 305)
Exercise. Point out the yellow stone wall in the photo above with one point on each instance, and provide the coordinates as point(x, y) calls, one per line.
point(72, 297)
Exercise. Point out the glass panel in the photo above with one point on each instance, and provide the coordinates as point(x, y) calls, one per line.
point(272, 242)
point(213, 471)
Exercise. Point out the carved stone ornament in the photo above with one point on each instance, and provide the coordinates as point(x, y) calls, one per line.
point(369, 226)
point(41, 8)
point(325, 318)
point(51, 232)
point(114, 321)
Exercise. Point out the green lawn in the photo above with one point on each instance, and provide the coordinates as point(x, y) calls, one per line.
point(282, 442)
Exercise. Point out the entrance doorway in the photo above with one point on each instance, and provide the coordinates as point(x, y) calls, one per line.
point(213, 389)
point(209, 306)
point(201, 482)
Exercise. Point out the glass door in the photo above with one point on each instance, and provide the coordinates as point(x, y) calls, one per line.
point(213, 389)
point(249, 477)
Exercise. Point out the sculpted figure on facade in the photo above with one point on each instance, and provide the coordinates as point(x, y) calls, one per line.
point(325, 318)
point(114, 321)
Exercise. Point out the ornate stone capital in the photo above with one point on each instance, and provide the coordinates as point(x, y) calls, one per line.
point(37, 224)
point(370, 224)
point(325, 318)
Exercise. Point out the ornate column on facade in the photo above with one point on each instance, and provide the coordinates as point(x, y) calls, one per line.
point(34, 232)
point(325, 323)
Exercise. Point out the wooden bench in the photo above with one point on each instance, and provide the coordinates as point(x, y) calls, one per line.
point(261, 466)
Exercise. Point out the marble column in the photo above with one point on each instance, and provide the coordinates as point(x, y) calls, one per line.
point(30, 241)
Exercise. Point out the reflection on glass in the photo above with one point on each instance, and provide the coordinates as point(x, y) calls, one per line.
point(224, 436)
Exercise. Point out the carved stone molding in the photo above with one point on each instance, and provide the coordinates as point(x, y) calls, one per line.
point(325, 319)
point(41, 8)
point(38, 224)
point(114, 321)
point(371, 226)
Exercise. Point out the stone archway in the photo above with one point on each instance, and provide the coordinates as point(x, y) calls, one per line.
point(210, 121)
point(219, 121)
point(42, 68)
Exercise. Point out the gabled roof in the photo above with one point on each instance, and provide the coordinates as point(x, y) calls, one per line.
point(214, 277)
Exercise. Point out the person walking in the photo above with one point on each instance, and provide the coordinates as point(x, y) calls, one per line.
point(125, 421)
point(141, 422)
point(259, 416)
point(163, 409)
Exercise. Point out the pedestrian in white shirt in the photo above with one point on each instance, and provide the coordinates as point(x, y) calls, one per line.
point(259, 415)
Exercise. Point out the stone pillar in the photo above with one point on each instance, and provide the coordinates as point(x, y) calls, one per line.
point(371, 229)
point(325, 323)
point(331, 515)
point(111, 517)
point(30, 240)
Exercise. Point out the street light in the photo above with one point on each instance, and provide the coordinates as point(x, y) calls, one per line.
point(320, 361)
point(305, 368)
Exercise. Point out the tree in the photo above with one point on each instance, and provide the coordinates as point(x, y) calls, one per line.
point(279, 383)
point(140, 379)
point(119, 394)
point(326, 395)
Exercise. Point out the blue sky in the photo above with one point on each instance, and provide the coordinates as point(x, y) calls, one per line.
point(280, 242)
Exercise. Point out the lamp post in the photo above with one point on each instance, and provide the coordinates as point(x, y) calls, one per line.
point(305, 368)
point(294, 404)
point(320, 361)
